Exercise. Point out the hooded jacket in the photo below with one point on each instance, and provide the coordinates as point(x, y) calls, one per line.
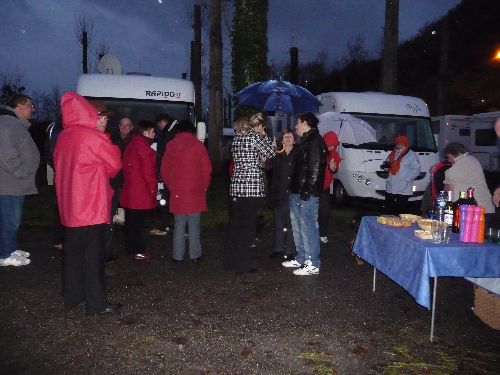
point(331, 140)
point(84, 161)
point(139, 174)
point(19, 156)
point(186, 171)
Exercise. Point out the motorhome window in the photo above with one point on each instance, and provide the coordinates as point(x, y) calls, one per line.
point(464, 132)
point(146, 109)
point(417, 129)
point(485, 137)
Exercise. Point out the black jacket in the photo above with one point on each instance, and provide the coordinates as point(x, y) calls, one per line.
point(281, 168)
point(309, 164)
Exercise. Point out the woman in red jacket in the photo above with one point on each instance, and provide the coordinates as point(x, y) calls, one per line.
point(84, 161)
point(186, 171)
point(333, 163)
point(140, 186)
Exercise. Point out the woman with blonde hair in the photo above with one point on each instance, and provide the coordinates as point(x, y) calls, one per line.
point(250, 145)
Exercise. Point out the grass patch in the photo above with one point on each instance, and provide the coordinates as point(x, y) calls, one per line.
point(320, 362)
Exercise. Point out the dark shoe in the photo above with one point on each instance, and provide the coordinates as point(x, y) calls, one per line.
point(177, 262)
point(112, 308)
point(196, 260)
point(276, 254)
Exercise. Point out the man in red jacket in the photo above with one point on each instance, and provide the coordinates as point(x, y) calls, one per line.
point(84, 161)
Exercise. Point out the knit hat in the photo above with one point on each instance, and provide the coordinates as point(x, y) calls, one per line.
point(401, 139)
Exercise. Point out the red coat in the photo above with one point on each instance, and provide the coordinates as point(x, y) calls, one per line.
point(331, 140)
point(84, 161)
point(139, 173)
point(186, 171)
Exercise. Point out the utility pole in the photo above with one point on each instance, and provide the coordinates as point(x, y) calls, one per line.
point(294, 65)
point(196, 61)
point(389, 76)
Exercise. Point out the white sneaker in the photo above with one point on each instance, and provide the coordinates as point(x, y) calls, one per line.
point(20, 253)
point(291, 264)
point(306, 269)
point(15, 261)
point(323, 239)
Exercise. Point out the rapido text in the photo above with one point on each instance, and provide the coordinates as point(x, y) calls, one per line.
point(164, 94)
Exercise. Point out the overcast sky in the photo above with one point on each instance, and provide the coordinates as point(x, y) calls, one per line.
point(38, 39)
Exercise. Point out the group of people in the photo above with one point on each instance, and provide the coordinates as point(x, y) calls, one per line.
point(94, 173)
point(302, 172)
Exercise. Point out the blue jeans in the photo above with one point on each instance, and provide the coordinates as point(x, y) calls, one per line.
point(11, 211)
point(193, 224)
point(304, 217)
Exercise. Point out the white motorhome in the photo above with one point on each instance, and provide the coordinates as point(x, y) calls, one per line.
point(360, 174)
point(141, 97)
point(476, 132)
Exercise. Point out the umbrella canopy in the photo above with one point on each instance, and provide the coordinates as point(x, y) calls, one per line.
point(278, 96)
point(349, 129)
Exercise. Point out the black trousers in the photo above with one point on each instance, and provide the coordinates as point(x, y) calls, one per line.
point(83, 266)
point(324, 213)
point(241, 233)
point(134, 231)
point(283, 236)
point(396, 204)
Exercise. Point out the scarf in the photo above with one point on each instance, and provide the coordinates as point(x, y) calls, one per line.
point(394, 164)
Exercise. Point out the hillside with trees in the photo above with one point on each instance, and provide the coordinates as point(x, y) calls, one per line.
point(450, 63)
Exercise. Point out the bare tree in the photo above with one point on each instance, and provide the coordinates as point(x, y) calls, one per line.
point(215, 119)
point(390, 52)
point(48, 105)
point(11, 83)
point(84, 31)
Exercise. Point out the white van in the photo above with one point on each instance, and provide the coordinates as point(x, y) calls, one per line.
point(360, 174)
point(141, 97)
point(476, 132)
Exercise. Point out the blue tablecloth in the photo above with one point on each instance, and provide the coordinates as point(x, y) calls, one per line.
point(410, 261)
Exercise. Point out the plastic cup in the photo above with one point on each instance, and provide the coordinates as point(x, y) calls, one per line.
point(489, 235)
point(436, 231)
point(445, 233)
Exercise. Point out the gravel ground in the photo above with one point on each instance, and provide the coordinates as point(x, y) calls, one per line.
point(199, 319)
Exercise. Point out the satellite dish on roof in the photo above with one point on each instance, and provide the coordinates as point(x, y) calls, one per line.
point(110, 65)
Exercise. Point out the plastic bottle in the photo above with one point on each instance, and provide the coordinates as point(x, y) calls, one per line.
point(463, 214)
point(440, 203)
point(448, 210)
point(475, 223)
point(480, 232)
point(456, 212)
point(468, 223)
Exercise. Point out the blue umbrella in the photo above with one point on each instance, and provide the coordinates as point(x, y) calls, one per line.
point(278, 96)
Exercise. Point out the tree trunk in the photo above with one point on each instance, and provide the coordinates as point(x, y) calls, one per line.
point(196, 61)
point(215, 118)
point(443, 67)
point(389, 74)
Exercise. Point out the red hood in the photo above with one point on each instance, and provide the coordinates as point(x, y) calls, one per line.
point(331, 139)
point(77, 111)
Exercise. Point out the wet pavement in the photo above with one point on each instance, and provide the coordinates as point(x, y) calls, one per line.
point(200, 319)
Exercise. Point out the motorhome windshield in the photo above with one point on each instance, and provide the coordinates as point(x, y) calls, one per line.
point(138, 109)
point(417, 129)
